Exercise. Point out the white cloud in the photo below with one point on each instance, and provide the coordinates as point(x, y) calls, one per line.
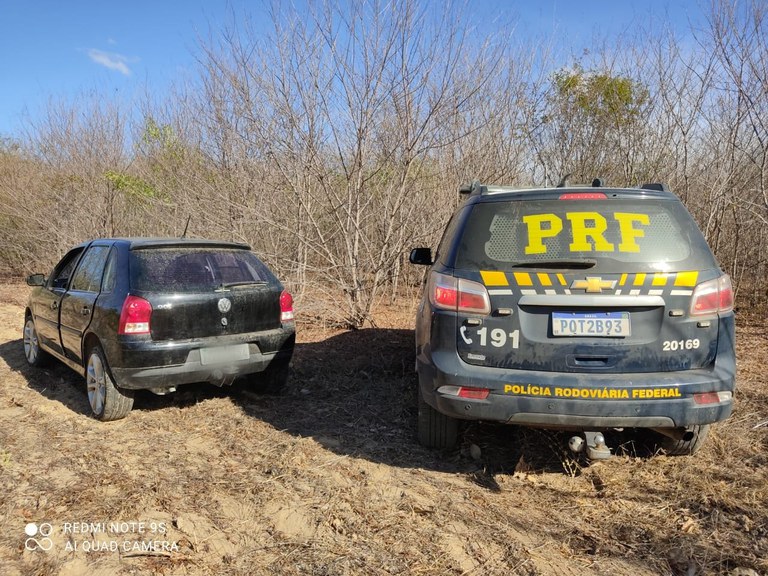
point(111, 60)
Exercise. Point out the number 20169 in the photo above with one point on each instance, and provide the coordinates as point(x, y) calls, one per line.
point(675, 345)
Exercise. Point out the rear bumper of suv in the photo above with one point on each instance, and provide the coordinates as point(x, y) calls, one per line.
point(147, 364)
point(577, 400)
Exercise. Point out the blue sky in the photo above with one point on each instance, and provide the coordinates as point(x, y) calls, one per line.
point(53, 49)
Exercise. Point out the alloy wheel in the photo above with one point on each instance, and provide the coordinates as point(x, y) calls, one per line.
point(96, 384)
point(31, 344)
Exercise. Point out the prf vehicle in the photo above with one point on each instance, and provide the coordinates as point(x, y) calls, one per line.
point(584, 308)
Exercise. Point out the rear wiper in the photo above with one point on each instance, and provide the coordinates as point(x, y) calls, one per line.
point(225, 285)
point(581, 263)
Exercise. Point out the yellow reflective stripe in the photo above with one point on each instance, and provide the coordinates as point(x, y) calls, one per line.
point(494, 278)
point(623, 280)
point(687, 278)
point(544, 279)
point(523, 279)
point(561, 279)
point(660, 279)
point(639, 279)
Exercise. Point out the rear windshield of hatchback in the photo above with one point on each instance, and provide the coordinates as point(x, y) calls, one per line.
point(194, 269)
point(612, 235)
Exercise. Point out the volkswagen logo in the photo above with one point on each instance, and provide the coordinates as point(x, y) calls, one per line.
point(225, 305)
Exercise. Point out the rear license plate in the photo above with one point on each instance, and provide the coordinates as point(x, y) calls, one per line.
point(224, 354)
point(599, 324)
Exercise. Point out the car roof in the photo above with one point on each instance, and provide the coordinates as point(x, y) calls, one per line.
point(479, 192)
point(138, 243)
point(494, 193)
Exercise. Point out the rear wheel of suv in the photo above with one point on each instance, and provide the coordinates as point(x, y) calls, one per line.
point(436, 430)
point(682, 447)
point(107, 400)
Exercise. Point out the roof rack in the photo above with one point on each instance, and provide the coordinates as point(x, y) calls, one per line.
point(563, 181)
point(660, 186)
point(474, 188)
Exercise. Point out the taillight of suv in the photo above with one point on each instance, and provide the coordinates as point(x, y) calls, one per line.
point(286, 307)
point(712, 297)
point(135, 316)
point(458, 294)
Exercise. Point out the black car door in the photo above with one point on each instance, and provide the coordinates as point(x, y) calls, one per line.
point(48, 300)
point(78, 302)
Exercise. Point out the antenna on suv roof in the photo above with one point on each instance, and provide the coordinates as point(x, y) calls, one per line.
point(564, 181)
point(184, 234)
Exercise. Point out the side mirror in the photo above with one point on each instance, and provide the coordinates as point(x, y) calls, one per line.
point(36, 280)
point(421, 256)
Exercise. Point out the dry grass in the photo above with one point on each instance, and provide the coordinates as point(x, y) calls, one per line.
point(328, 479)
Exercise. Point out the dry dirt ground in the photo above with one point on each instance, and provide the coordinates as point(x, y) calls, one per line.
point(328, 479)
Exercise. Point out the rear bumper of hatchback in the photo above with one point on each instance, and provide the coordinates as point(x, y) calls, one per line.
point(578, 400)
point(146, 364)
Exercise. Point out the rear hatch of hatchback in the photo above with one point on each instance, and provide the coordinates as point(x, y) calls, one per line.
point(581, 281)
point(198, 291)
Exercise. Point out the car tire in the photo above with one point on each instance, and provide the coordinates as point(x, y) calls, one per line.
point(107, 400)
point(681, 447)
point(436, 430)
point(35, 355)
point(272, 380)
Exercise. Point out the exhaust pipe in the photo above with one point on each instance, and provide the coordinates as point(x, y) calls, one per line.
point(162, 391)
point(675, 433)
point(220, 379)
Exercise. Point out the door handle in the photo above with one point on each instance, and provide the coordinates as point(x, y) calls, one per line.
point(85, 311)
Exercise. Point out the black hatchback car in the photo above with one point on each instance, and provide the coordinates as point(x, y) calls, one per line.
point(156, 313)
point(585, 308)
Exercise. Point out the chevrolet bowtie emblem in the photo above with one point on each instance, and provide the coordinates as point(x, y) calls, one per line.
point(593, 284)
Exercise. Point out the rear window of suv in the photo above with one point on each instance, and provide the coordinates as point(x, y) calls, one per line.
point(194, 269)
point(612, 235)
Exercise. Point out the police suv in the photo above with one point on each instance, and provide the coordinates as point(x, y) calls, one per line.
point(585, 308)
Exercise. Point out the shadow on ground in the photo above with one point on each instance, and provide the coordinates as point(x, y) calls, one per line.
point(54, 381)
point(354, 393)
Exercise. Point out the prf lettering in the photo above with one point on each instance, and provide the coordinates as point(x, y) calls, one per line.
point(587, 231)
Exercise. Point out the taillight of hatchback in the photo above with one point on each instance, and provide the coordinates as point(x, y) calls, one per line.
point(286, 307)
point(135, 316)
point(712, 297)
point(458, 294)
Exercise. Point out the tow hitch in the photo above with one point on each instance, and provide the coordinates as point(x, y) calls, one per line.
point(593, 443)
